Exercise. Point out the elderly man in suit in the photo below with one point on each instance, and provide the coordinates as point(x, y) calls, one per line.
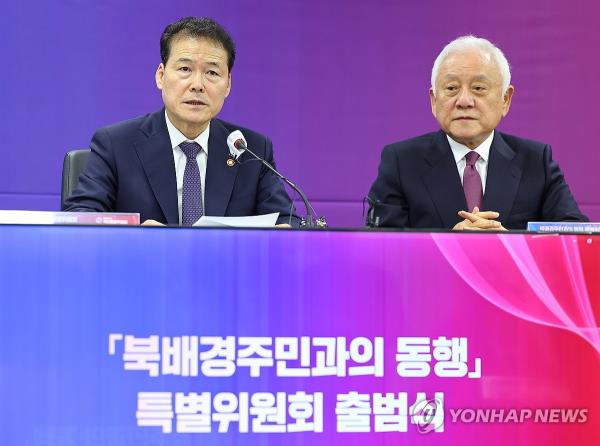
point(174, 165)
point(468, 175)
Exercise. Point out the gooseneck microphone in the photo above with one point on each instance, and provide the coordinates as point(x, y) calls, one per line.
point(237, 145)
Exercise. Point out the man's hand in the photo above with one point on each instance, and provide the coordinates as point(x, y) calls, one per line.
point(479, 221)
point(152, 223)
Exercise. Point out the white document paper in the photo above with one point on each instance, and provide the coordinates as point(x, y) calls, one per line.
point(255, 221)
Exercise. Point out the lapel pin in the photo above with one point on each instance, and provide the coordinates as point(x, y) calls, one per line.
point(230, 162)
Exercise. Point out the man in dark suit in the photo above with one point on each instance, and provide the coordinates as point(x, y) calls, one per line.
point(468, 175)
point(174, 165)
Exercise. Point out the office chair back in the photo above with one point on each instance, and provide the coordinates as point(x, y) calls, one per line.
point(73, 165)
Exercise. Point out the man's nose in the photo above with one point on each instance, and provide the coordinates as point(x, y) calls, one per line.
point(465, 99)
point(197, 82)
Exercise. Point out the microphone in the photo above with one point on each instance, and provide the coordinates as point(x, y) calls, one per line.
point(237, 145)
point(372, 218)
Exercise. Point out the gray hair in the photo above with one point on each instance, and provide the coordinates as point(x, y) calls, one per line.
point(469, 43)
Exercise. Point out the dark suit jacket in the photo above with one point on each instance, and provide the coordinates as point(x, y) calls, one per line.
point(418, 185)
point(131, 169)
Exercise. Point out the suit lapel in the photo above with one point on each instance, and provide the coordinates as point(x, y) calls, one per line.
point(219, 176)
point(503, 178)
point(442, 181)
point(156, 155)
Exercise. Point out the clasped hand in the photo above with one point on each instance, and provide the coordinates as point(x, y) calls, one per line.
point(479, 221)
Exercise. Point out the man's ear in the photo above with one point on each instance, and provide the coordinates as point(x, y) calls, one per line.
point(432, 99)
point(160, 73)
point(228, 85)
point(507, 99)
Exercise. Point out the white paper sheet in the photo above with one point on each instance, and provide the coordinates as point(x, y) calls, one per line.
point(255, 221)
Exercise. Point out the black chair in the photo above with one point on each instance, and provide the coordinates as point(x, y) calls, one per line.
point(73, 165)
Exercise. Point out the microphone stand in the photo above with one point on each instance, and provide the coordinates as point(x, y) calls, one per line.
point(310, 221)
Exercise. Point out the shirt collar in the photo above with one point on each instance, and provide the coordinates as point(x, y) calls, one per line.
point(177, 137)
point(459, 150)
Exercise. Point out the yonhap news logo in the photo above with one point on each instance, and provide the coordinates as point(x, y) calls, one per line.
point(522, 415)
point(429, 415)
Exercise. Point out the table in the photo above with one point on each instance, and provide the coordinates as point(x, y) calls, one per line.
point(120, 335)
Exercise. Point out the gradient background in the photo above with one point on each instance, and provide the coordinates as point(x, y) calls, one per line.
point(331, 82)
point(63, 290)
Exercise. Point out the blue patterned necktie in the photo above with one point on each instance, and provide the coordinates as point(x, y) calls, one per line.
point(191, 203)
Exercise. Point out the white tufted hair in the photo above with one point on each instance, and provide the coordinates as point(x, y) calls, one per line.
point(469, 43)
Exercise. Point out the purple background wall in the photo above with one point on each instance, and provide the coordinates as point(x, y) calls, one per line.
point(330, 82)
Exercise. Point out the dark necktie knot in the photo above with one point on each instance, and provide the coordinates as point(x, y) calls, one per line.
point(471, 158)
point(190, 149)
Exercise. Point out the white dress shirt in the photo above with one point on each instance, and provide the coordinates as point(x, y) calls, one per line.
point(460, 151)
point(180, 159)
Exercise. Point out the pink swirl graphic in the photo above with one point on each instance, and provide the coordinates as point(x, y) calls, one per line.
point(538, 278)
